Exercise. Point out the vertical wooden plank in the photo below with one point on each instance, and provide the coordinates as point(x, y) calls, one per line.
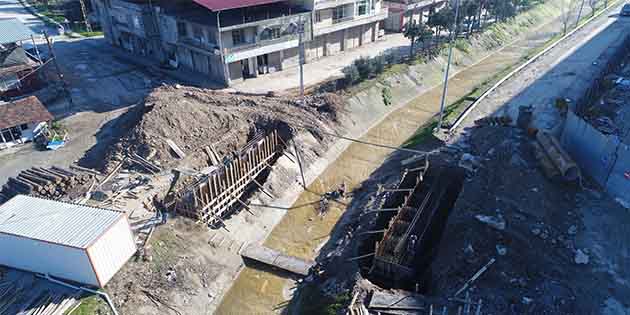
point(206, 192)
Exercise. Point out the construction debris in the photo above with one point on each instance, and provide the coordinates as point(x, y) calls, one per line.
point(494, 121)
point(554, 160)
point(475, 277)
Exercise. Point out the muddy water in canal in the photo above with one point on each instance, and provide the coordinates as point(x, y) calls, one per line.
point(302, 231)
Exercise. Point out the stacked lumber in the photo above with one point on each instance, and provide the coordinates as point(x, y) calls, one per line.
point(50, 183)
point(16, 299)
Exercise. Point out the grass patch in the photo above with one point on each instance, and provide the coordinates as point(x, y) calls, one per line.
point(313, 302)
point(91, 34)
point(91, 305)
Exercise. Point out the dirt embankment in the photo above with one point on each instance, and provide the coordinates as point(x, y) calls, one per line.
point(195, 118)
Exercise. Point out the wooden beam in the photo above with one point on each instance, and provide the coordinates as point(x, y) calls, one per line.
point(361, 257)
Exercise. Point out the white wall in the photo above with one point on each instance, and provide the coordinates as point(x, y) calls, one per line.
point(112, 250)
point(56, 260)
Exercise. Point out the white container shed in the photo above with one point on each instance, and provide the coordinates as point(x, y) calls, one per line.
point(64, 240)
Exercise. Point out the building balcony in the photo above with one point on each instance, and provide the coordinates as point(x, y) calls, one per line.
point(327, 4)
point(349, 22)
point(285, 26)
point(407, 5)
point(260, 47)
point(261, 43)
point(198, 45)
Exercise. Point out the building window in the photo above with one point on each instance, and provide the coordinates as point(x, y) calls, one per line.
point(238, 37)
point(24, 126)
point(198, 33)
point(339, 13)
point(362, 7)
point(271, 33)
point(318, 16)
point(182, 31)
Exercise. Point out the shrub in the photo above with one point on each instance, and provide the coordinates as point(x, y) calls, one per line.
point(387, 96)
point(364, 66)
point(390, 58)
point(378, 64)
point(351, 74)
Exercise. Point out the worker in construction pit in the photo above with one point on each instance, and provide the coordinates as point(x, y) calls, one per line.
point(342, 190)
point(411, 246)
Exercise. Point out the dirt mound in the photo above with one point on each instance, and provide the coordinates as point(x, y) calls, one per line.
point(195, 118)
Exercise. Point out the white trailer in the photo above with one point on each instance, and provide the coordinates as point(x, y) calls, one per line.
point(68, 241)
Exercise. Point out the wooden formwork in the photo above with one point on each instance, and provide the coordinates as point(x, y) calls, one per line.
point(217, 194)
point(386, 262)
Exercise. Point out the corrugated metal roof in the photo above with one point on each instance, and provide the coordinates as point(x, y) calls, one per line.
point(12, 30)
point(55, 222)
point(220, 5)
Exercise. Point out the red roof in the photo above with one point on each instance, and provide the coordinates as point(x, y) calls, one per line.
point(220, 5)
point(24, 111)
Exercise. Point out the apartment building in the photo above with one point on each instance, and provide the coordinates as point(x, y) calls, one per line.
point(230, 41)
point(340, 25)
point(402, 12)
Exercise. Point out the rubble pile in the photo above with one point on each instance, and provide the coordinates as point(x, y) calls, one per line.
point(610, 114)
point(52, 183)
point(192, 119)
point(510, 211)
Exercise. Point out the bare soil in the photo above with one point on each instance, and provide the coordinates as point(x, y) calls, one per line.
point(195, 118)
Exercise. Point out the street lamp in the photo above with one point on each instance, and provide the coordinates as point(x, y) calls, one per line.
point(448, 66)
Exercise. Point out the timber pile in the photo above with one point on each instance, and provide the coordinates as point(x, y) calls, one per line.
point(16, 299)
point(50, 183)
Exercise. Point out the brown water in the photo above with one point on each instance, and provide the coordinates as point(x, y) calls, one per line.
point(301, 231)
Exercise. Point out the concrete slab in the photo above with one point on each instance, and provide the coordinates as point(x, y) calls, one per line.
point(277, 259)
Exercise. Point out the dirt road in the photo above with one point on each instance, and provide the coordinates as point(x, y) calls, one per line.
point(301, 233)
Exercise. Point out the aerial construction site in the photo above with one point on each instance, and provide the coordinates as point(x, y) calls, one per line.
point(346, 199)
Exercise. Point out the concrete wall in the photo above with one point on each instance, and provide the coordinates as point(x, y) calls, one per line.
point(235, 71)
point(605, 158)
point(353, 38)
point(334, 42)
point(291, 58)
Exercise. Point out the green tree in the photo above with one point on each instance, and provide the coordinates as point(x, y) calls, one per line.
point(417, 32)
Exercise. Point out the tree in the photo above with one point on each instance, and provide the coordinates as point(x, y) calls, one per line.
point(567, 11)
point(440, 20)
point(593, 5)
point(579, 16)
point(416, 32)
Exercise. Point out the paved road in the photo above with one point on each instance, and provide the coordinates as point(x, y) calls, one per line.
point(13, 9)
point(564, 72)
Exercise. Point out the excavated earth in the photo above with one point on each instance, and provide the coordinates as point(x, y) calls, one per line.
point(194, 118)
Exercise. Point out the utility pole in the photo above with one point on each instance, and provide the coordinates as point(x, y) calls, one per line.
point(88, 27)
point(448, 66)
point(301, 30)
point(39, 57)
point(59, 74)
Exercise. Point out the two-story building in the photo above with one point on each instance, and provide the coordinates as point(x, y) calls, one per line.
point(340, 25)
point(234, 40)
point(402, 12)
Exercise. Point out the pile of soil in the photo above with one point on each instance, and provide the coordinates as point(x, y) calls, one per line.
point(195, 118)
